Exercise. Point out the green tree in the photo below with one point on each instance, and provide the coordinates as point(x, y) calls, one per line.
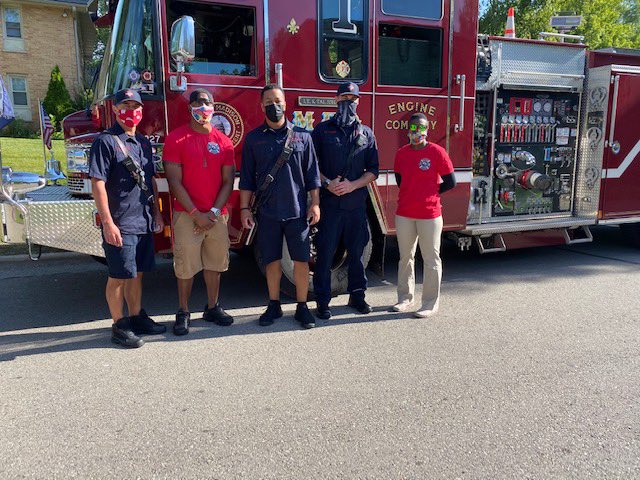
point(57, 102)
point(606, 23)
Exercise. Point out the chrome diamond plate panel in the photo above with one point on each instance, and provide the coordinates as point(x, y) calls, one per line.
point(56, 220)
point(548, 65)
point(591, 150)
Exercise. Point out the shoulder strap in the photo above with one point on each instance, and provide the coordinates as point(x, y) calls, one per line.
point(134, 168)
point(260, 196)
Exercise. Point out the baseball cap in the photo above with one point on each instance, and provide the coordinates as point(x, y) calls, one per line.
point(350, 88)
point(199, 91)
point(127, 94)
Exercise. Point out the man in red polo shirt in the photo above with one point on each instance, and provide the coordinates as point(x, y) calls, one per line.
point(419, 166)
point(199, 164)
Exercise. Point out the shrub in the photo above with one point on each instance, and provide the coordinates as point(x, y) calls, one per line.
point(57, 102)
point(20, 129)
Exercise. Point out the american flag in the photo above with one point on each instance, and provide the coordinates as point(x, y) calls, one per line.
point(47, 127)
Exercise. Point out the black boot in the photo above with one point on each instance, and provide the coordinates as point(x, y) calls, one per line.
point(323, 312)
point(142, 324)
point(181, 327)
point(358, 303)
point(121, 334)
point(303, 315)
point(217, 315)
point(273, 312)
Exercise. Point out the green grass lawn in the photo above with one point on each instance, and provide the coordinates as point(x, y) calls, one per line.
point(25, 154)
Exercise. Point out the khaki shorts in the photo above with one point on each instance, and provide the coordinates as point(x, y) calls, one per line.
point(203, 251)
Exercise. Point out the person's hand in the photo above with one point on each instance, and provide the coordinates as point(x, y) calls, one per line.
point(313, 214)
point(112, 234)
point(247, 219)
point(159, 223)
point(332, 185)
point(202, 220)
point(344, 187)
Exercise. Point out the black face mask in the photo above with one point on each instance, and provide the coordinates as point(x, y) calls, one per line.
point(346, 114)
point(274, 112)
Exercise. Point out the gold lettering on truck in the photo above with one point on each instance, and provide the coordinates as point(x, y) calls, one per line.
point(410, 107)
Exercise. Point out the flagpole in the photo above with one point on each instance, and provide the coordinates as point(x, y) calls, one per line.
point(44, 147)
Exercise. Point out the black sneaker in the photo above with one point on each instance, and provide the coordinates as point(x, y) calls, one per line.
point(303, 315)
point(323, 311)
point(217, 315)
point(359, 304)
point(273, 312)
point(142, 324)
point(181, 327)
point(121, 334)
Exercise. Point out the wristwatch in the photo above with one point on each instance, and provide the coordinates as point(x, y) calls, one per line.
point(326, 182)
point(216, 211)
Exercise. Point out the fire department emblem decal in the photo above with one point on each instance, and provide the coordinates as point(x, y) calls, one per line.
point(293, 27)
point(425, 164)
point(228, 121)
point(213, 148)
point(343, 69)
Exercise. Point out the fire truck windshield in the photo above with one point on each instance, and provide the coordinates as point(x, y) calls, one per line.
point(129, 57)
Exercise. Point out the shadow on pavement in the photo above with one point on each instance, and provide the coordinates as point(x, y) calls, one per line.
point(27, 344)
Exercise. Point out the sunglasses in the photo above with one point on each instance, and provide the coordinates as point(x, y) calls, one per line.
point(418, 128)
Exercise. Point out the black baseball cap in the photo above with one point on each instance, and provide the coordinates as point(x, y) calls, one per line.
point(127, 94)
point(200, 91)
point(350, 88)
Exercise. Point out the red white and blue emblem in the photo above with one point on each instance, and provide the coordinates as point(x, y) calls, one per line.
point(425, 164)
point(213, 148)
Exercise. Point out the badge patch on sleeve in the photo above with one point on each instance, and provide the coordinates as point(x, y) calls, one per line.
point(213, 148)
point(425, 164)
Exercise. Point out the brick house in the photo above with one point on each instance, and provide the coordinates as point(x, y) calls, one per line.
point(35, 36)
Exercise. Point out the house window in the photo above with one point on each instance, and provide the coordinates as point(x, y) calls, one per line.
point(12, 27)
point(18, 91)
point(12, 23)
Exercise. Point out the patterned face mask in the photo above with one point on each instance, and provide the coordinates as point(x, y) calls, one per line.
point(202, 114)
point(131, 118)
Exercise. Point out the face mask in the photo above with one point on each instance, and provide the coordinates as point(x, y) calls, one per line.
point(346, 114)
point(417, 138)
point(274, 112)
point(202, 114)
point(131, 118)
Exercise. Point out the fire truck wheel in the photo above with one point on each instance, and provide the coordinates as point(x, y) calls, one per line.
point(631, 232)
point(339, 273)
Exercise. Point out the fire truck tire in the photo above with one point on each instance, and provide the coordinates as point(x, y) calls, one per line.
point(339, 273)
point(631, 232)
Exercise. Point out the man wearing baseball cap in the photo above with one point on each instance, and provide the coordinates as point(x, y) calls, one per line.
point(348, 161)
point(200, 167)
point(122, 172)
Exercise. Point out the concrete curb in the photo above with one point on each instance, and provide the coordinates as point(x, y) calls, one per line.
point(44, 257)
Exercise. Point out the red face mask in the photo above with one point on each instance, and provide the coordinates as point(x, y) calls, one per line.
point(131, 118)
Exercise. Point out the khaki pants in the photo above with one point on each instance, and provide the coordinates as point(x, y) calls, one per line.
point(427, 233)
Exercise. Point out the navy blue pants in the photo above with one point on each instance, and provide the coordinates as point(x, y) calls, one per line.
point(350, 228)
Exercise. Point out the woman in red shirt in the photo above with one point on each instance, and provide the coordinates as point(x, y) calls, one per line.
point(423, 172)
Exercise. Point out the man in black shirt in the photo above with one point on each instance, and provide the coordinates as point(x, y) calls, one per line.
point(282, 207)
point(122, 171)
point(348, 161)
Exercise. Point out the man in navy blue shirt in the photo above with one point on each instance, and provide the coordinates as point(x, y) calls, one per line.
point(122, 171)
point(282, 207)
point(348, 161)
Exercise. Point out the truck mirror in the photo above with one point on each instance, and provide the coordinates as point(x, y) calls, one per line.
point(183, 41)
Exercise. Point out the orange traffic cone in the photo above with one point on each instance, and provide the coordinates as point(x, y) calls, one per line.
point(510, 30)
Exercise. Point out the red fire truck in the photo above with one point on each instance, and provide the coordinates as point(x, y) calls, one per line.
point(541, 133)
